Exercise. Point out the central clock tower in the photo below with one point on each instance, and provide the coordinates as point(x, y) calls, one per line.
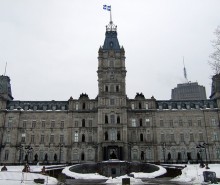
point(112, 111)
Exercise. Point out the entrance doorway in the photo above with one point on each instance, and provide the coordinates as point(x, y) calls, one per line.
point(112, 152)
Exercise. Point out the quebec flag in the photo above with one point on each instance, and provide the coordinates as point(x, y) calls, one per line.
point(108, 8)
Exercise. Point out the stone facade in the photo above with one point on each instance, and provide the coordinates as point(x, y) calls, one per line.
point(109, 126)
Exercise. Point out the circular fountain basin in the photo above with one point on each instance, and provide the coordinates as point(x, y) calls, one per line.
point(113, 168)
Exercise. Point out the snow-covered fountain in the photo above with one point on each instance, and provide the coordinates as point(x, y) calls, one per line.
point(113, 169)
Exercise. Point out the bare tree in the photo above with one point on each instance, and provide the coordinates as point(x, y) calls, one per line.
point(215, 56)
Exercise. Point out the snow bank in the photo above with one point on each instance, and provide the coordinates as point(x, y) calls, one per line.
point(160, 172)
point(69, 173)
point(193, 173)
point(15, 178)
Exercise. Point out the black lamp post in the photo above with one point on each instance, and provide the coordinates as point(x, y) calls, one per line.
point(164, 151)
point(1, 147)
point(28, 150)
point(200, 148)
point(60, 146)
point(20, 148)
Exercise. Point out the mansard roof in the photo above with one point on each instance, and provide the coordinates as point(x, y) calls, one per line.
point(111, 39)
point(37, 105)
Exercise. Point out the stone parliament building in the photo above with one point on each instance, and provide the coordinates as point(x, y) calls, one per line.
point(111, 126)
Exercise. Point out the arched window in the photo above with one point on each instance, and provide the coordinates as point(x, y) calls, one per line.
point(118, 119)
point(83, 123)
point(117, 88)
point(82, 157)
point(84, 105)
point(45, 157)
point(141, 137)
point(140, 107)
point(55, 157)
point(169, 156)
point(140, 121)
point(106, 88)
point(35, 157)
point(106, 119)
point(83, 138)
point(118, 136)
point(142, 155)
point(106, 136)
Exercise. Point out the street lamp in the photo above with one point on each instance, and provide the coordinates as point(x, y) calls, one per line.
point(60, 146)
point(28, 150)
point(200, 148)
point(164, 151)
point(20, 148)
point(1, 147)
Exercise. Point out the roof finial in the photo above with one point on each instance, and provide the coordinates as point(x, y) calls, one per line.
point(184, 70)
point(5, 68)
point(110, 26)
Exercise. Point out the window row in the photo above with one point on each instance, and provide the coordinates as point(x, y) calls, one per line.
point(43, 123)
point(112, 88)
point(83, 123)
point(140, 122)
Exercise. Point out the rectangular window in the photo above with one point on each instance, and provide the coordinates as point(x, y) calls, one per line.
point(61, 139)
point(112, 119)
point(147, 122)
point(24, 123)
point(76, 137)
point(42, 139)
point(213, 121)
point(191, 137)
point(190, 123)
point(33, 123)
point(43, 123)
point(10, 122)
point(52, 124)
point(90, 123)
point(23, 136)
point(162, 137)
point(51, 138)
point(77, 106)
point(147, 106)
point(171, 123)
point(32, 138)
point(161, 123)
point(199, 123)
point(180, 123)
point(132, 106)
point(200, 136)
point(62, 124)
point(6, 155)
point(76, 123)
point(8, 138)
point(172, 139)
point(133, 123)
point(148, 137)
point(181, 137)
point(215, 136)
point(112, 101)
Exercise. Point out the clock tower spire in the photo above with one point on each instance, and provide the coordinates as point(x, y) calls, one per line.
point(112, 112)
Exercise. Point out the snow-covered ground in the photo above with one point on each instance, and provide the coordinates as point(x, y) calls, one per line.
point(194, 174)
point(15, 176)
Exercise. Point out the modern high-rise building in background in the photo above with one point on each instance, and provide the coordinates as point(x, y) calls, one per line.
point(112, 125)
point(189, 91)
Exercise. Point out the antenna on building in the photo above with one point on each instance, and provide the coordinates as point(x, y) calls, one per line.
point(184, 71)
point(5, 68)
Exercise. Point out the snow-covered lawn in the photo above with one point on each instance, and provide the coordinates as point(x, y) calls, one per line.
point(193, 173)
point(15, 176)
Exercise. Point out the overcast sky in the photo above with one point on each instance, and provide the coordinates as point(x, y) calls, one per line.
point(51, 46)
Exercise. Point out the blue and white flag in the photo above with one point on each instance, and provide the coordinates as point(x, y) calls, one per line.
point(106, 7)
